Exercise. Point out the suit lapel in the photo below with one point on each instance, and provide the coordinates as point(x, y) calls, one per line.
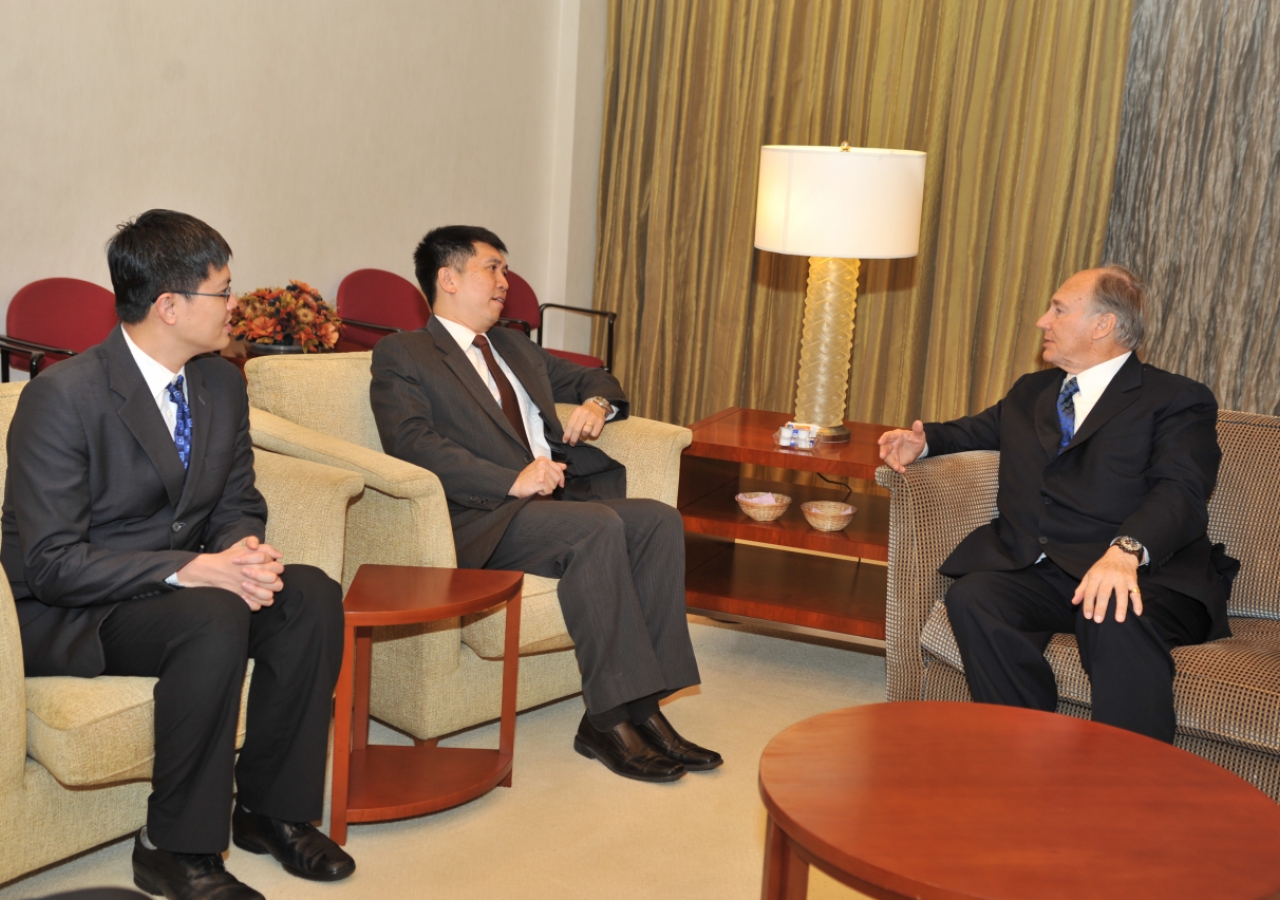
point(1117, 396)
point(458, 361)
point(1048, 428)
point(141, 415)
point(201, 421)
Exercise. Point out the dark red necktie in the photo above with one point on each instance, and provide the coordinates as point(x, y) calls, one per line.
point(510, 405)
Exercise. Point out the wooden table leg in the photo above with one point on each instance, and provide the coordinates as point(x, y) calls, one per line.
point(786, 875)
point(510, 685)
point(363, 665)
point(342, 740)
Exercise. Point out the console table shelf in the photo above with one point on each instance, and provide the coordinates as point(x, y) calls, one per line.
point(785, 571)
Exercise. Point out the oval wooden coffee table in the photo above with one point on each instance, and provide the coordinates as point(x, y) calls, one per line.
point(372, 782)
point(952, 800)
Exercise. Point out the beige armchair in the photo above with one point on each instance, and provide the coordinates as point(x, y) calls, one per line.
point(1226, 693)
point(436, 679)
point(76, 753)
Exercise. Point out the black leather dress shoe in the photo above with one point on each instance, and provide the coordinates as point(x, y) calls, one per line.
point(624, 752)
point(186, 876)
point(301, 848)
point(658, 732)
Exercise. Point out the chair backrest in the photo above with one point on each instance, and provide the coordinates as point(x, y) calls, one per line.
point(327, 392)
point(383, 298)
point(61, 312)
point(522, 302)
point(1244, 511)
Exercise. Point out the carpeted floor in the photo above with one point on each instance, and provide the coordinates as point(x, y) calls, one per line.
point(568, 828)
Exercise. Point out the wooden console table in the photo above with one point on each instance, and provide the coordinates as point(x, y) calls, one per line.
point(784, 571)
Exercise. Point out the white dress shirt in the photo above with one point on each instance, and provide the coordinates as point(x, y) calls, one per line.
point(534, 425)
point(158, 378)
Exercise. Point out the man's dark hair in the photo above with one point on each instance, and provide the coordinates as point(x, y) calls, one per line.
point(161, 251)
point(452, 246)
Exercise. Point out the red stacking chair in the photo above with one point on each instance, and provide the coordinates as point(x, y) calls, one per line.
point(524, 312)
point(52, 319)
point(373, 303)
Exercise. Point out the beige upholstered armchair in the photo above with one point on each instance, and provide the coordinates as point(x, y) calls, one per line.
point(1226, 693)
point(76, 753)
point(434, 679)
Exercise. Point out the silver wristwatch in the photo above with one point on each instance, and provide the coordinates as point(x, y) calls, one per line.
point(602, 403)
point(1130, 545)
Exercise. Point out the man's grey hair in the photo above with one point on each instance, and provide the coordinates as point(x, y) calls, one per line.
point(1119, 292)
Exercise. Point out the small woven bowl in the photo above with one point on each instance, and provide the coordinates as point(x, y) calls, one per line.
point(763, 512)
point(826, 515)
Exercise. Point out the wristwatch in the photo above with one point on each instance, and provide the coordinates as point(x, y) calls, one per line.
point(1130, 545)
point(602, 403)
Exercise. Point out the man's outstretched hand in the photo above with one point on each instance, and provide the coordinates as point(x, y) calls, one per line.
point(1115, 573)
point(900, 447)
point(248, 568)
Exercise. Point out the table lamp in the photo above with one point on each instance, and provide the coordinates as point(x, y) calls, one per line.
point(835, 205)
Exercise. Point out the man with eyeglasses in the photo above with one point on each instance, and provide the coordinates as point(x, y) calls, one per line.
point(133, 540)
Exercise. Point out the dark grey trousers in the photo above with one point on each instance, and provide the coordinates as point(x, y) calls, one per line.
point(1003, 621)
point(621, 570)
point(198, 642)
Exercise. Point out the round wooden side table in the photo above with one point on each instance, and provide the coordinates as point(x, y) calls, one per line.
point(956, 800)
point(373, 783)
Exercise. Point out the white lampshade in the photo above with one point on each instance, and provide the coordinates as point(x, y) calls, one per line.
point(855, 203)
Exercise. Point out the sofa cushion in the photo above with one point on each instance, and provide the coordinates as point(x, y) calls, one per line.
point(542, 625)
point(90, 731)
point(1228, 690)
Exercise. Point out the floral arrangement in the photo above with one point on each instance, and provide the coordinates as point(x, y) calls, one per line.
point(294, 315)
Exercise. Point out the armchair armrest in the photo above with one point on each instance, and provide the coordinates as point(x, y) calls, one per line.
point(401, 519)
point(648, 448)
point(931, 509)
point(308, 508)
point(13, 697)
point(609, 317)
point(35, 351)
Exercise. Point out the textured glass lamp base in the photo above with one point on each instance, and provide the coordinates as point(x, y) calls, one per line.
point(827, 346)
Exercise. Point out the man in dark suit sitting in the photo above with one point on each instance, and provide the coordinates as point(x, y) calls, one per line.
point(1106, 467)
point(133, 542)
point(476, 405)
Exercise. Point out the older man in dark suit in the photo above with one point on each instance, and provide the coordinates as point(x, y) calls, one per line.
point(133, 542)
point(1106, 467)
point(476, 405)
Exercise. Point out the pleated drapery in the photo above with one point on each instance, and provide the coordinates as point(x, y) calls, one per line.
point(1017, 105)
point(1196, 205)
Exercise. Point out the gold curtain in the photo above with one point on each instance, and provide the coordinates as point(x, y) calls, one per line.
point(1017, 104)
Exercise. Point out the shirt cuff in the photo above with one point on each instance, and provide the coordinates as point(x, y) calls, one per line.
point(173, 580)
point(924, 452)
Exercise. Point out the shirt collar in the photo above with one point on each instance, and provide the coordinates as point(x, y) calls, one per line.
point(155, 374)
point(1093, 381)
point(461, 333)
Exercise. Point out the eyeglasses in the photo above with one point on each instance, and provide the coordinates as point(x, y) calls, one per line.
point(225, 295)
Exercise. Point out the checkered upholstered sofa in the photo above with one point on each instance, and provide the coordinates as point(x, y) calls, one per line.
point(430, 680)
point(76, 753)
point(1227, 693)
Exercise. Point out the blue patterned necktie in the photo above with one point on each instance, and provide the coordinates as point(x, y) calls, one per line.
point(1067, 411)
point(182, 428)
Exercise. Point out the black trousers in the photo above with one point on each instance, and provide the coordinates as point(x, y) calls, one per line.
point(1003, 621)
point(198, 641)
point(621, 570)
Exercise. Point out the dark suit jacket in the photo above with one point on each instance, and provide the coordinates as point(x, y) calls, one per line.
point(1143, 464)
point(434, 410)
point(97, 507)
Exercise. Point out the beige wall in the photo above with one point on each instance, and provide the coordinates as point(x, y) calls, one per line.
point(318, 136)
